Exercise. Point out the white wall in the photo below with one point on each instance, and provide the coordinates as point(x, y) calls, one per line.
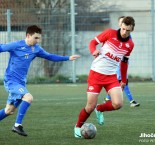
point(140, 60)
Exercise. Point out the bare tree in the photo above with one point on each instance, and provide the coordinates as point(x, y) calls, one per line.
point(53, 15)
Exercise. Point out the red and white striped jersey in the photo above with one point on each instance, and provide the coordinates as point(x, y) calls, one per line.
point(112, 51)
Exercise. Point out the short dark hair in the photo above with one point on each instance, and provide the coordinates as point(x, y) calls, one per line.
point(128, 20)
point(121, 17)
point(33, 29)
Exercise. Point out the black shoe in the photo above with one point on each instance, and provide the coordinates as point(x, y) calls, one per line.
point(19, 130)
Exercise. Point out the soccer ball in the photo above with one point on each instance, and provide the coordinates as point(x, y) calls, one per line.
point(88, 130)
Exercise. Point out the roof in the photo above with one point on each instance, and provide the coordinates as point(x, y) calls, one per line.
point(20, 15)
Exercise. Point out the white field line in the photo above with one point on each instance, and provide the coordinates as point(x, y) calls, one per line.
point(73, 99)
point(58, 99)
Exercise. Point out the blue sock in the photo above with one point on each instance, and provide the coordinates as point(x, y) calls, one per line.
point(128, 93)
point(2, 114)
point(108, 97)
point(22, 111)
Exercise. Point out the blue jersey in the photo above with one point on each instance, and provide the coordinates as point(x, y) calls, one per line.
point(21, 56)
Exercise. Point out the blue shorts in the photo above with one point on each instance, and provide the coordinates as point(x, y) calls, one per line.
point(16, 92)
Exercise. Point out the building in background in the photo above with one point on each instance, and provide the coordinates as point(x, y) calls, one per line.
point(92, 17)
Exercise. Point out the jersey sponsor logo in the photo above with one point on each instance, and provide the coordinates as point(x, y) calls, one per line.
point(91, 88)
point(113, 57)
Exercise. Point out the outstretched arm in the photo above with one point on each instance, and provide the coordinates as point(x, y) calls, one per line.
point(8, 46)
point(53, 57)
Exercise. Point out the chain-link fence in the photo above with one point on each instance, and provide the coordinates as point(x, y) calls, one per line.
point(91, 18)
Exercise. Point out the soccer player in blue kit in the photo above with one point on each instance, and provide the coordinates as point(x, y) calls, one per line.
point(21, 55)
point(127, 91)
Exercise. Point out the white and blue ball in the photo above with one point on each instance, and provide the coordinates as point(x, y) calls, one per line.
point(88, 130)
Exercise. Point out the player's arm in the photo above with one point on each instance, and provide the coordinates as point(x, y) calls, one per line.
point(53, 57)
point(101, 38)
point(92, 47)
point(123, 70)
point(124, 65)
point(8, 46)
point(1, 49)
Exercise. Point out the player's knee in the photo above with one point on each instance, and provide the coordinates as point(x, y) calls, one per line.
point(90, 108)
point(9, 111)
point(117, 105)
point(28, 98)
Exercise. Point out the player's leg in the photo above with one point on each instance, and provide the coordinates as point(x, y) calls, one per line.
point(115, 103)
point(17, 95)
point(26, 101)
point(8, 110)
point(89, 108)
point(114, 90)
point(107, 98)
point(3, 114)
point(116, 98)
point(93, 91)
point(128, 93)
point(85, 113)
point(24, 105)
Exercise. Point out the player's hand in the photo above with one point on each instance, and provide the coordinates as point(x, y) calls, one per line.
point(73, 57)
point(122, 85)
point(96, 53)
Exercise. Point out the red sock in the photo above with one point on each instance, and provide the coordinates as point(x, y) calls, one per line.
point(107, 106)
point(82, 118)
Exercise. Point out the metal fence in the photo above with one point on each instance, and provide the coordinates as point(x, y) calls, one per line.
point(91, 18)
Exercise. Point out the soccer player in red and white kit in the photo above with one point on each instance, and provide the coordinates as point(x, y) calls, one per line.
point(117, 46)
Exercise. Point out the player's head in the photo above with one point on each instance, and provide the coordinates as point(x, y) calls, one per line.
point(33, 34)
point(33, 29)
point(127, 26)
point(120, 19)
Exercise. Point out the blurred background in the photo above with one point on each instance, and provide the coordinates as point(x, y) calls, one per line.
point(69, 25)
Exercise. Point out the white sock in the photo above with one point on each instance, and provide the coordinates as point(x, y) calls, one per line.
point(17, 124)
